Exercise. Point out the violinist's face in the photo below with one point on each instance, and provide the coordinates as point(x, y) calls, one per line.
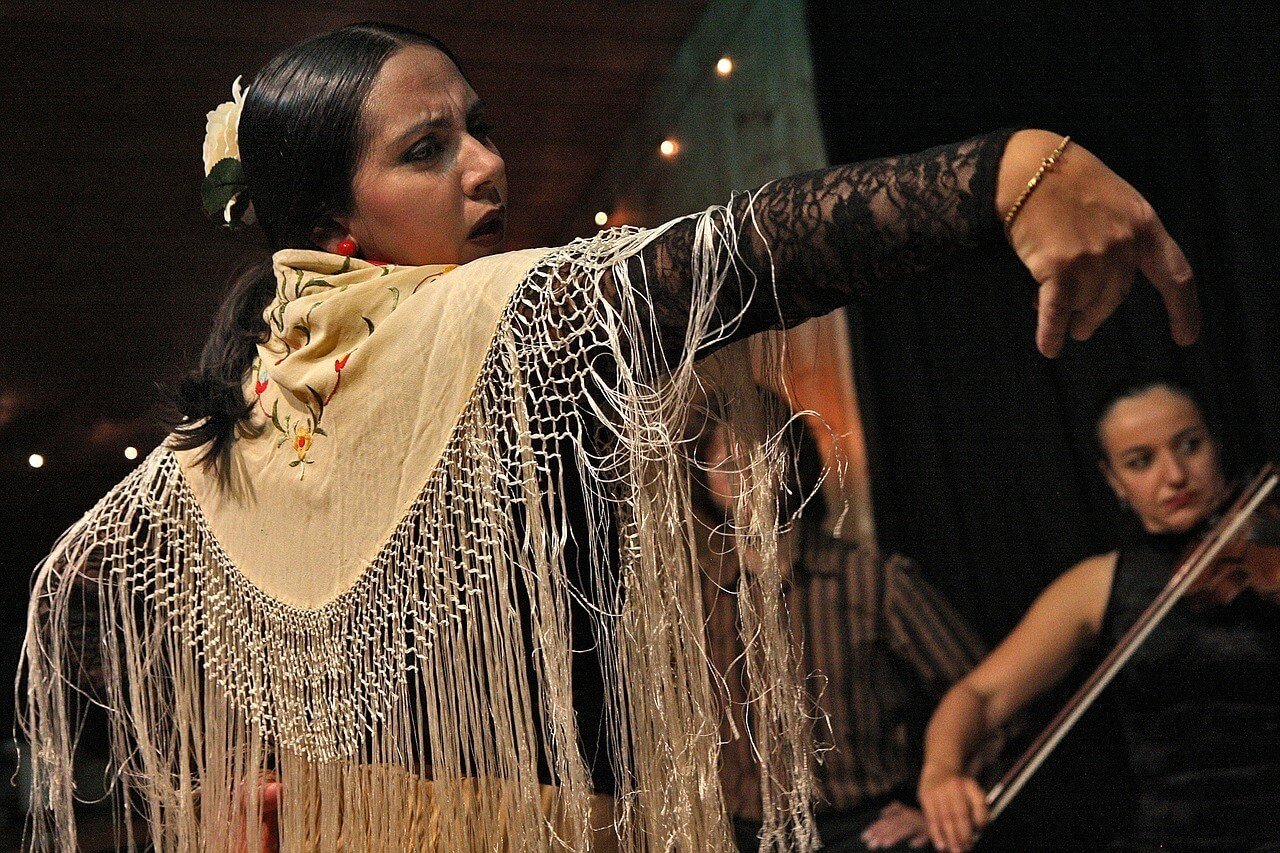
point(1162, 461)
point(430, 187)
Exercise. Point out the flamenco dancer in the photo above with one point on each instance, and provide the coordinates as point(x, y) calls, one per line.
point(417, 547)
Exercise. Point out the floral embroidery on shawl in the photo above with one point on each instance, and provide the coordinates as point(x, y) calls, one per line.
point(329, 309)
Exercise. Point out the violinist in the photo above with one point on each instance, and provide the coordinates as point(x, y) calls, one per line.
point(1199, 699)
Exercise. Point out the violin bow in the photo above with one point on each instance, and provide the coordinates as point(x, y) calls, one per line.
point(999, 797)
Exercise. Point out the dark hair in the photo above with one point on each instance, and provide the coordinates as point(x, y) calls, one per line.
point(300, 138)
point(1130, 388)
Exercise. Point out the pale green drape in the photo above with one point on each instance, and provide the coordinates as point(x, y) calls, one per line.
point(736, 133)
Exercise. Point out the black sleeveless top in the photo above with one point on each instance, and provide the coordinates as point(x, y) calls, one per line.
point(1200, 701)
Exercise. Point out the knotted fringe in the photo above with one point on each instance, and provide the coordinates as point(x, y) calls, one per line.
point(412, 711)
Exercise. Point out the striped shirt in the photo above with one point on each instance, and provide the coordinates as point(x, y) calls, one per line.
point(881, 646)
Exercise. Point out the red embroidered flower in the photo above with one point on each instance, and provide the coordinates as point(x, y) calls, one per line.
point(260, 386)
point(341, 363)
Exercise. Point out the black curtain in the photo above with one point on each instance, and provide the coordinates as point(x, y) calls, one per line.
point(981, 450)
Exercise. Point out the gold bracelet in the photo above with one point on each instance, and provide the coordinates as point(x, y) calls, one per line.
point(1046, 166)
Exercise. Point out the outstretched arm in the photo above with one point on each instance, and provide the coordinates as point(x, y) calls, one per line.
point(832, 236)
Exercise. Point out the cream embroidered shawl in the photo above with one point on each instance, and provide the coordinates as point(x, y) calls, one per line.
point(375, 604)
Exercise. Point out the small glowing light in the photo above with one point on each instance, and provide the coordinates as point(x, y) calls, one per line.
point(35, 460)
point(602, 218)
point(669, 148)
point(131, 453)
point(724, 67)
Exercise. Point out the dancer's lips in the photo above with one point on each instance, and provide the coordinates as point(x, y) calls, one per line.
point(1180, 500)
point(489, 230)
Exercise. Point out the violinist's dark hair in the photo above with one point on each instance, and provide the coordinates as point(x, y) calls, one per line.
point(300, 138)
point(1130, 388)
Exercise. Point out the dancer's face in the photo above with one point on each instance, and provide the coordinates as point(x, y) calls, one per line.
point(1162, 460)
point(430, 186)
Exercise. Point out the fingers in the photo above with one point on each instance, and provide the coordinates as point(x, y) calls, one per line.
point(1083, 295)
point(933, 821)
point(956, 827)
point(1054, 309)
point(936, 819)
point(1116, 278)
point(978, 812)
point(1084, 240)
point(1165, 266)
point(952, 812)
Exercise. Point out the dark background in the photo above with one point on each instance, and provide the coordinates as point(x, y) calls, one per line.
point(981, 451)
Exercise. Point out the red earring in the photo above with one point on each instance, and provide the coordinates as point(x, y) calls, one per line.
point(346, 247)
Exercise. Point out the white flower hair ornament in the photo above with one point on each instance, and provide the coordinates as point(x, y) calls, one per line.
point(223, 190)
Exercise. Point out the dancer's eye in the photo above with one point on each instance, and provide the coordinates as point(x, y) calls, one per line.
point(424, 149)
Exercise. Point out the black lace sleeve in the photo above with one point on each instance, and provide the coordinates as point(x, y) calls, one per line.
point(835, 234)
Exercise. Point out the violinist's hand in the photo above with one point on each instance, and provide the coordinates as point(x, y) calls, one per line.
point(1084, 233)
point(954, 809)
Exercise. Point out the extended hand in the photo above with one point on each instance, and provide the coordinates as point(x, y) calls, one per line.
point(1084, 234)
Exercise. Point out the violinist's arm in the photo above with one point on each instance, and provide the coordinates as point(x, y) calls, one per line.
point(1033, 658)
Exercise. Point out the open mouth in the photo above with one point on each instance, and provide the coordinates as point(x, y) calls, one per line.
point(490, 227)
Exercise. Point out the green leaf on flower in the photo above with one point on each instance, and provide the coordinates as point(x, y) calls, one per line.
point(224, 181)
point(316, 414)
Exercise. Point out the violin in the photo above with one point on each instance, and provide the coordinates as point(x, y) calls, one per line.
point(1241, 551)
point(1251, 560)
